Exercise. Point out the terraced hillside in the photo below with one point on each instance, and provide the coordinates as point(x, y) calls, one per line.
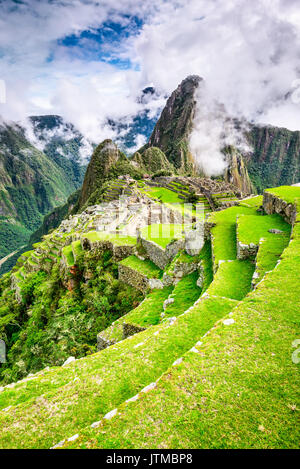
point(204, 361)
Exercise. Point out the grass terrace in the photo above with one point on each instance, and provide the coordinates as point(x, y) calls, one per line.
point(146, 267)
point(173, 201)
point(254, 202)
point(286, 193)
point(68, 253)
point(163, 234)
point(76, 248)
point(269, 253)
point(100, 385)
point(232, 280)
point(145, 315)
point(185, 293)
point(117, 239)
point(224, 233)
point(250, 228)
point(148, 312)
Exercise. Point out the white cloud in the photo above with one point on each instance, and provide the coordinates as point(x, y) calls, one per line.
point(248, 53)
point(213, 130)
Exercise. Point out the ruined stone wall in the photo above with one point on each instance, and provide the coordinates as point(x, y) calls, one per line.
point(272, 204)
point(133, 278)
point(161, 257)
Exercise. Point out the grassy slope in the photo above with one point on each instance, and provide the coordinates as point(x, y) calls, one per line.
point(268, 254)
point(224, 233)
point(162, 234)
point(232, 280)
point(145, 267)
point(251, 229)
point(171, 200)
point(118, 240)
point(241, 390)
point(185, 294)
point(61, 401)
point(148, 312)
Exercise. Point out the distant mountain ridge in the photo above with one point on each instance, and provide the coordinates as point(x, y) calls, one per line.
point(32, 183)
point(274, 159)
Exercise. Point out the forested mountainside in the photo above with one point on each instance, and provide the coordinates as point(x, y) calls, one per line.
point(58, 138)
point(275, 159)
point(31, 184)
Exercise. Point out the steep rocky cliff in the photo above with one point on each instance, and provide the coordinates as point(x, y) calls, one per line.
point(172, 130)
point(273, 158)
point(236, 173)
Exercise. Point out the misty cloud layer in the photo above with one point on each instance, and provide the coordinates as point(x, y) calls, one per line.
point(213, 130)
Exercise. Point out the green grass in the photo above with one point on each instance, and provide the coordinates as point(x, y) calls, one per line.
point(206, 313)
point(54, 406)
point(181, 258)
point(269, 253)
point(232, 280)
point(252, 201)
point(206, 259)
point(118, 240)
point(146, 267)
point(148, 312)
point(172, 200)
point(287, 193)
point(165, 195)
point(76, 247)
point(145, 315)
point(185, 294)
point(250, 229)
point(163, 234)
point(68, 253)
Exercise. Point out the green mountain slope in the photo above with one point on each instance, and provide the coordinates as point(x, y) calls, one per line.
point(31, 184)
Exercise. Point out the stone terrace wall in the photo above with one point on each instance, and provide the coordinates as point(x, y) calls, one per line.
point(161, 257)
point(273, 204)
point(133, 278)
point(119, 252)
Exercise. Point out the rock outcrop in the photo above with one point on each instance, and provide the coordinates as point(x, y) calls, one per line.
point(104, 157)
point(152, 160)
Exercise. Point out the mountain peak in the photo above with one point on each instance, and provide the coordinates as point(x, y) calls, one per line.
point(104, 157)
point(175, 123)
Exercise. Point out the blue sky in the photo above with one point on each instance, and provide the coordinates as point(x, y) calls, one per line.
point(88, 60)
point(104, 42)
